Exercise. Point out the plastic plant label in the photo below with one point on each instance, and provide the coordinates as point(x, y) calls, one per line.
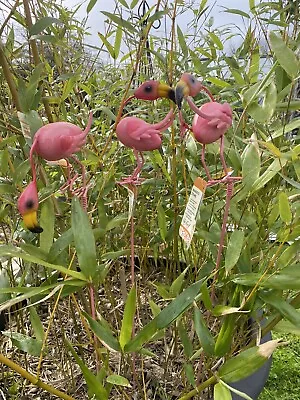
point(188, 223)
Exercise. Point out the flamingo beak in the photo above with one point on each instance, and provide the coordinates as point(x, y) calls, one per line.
point(181, 90)
point(166, 91)
point(31, 222)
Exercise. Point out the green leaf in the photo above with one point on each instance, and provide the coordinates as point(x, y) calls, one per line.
point(118, 40)
point(94, 385)
point(247, 362)
point(120, 22)
point(36, 323)
point(30, 123)
point(123, 2)
point(284, 208)
point(290, 181)
point(84, 240)
point(118, 380)
point(237, 12)
point(218, 82)
point(263, 110)
point(271, 171)
point(285, 56)
point(46, 38)
point(25, 343)
point(170, 313)
point(225, 336)
point(6, 188)
point(284, 308)
point(154, 308)
point(13, 252)
point(61, 243)
point(157, 158)
point(186, 342)
point(103, 333)
point(162, 222)
point(234, 249)
point(252, 5)
point(128, 318)
point(288, 279)
point(206, 296)
point(4, 283)
point(90, 6)
point(294, 124)
point(47, 222)
point(232, 389)
point(221, 392)
point(113, 255)
point(106, 43)
point(42, 24)
point(133, 3)
point(203, 333)
point(182, 42)
point(176, 285)
point(189, 372)
point(251, 165)
point(216, 41)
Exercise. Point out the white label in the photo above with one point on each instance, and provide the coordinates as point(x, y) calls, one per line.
point(188, 223)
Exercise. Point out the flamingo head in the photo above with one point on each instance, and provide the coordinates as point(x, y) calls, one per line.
point(153, 90)
point(28, 204)
point(187, 86)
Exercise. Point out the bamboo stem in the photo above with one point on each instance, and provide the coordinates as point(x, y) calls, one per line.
point(33, 379)
point(211, 381)
point(9, 78)
point(35, 55)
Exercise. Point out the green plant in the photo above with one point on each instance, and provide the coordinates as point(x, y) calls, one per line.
point(165, 335)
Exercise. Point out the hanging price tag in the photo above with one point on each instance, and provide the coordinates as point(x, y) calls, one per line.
point(188, 223)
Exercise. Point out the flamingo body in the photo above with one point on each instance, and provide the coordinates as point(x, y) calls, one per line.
point(58, 140)
point(53, 142)
point(138, 134)
point(141, 136)
point(210, 130)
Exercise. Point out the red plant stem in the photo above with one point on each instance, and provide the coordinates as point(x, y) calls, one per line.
point(140, 162)
point(132, 251)
point(222, 155)
point(133, 280)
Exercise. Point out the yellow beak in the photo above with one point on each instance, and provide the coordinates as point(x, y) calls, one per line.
point(31, 223)
point(166, 91)
point(181, 90)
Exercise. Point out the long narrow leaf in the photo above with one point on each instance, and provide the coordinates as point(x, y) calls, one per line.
point(169, 314)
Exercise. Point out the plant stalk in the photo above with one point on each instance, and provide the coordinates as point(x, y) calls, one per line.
point(211, 381)
point(9, 78)
point(33, 379)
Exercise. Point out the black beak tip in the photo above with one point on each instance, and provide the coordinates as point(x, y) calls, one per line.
point(178, 99)
point(171, 95)
point(36, 229)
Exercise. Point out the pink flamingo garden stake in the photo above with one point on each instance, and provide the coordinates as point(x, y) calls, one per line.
point(53, 142)
point(141, 136)
point(210, 123)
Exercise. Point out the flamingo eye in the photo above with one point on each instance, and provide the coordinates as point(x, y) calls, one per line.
point(148, 89)
point(29, 204)
point(192, 79)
